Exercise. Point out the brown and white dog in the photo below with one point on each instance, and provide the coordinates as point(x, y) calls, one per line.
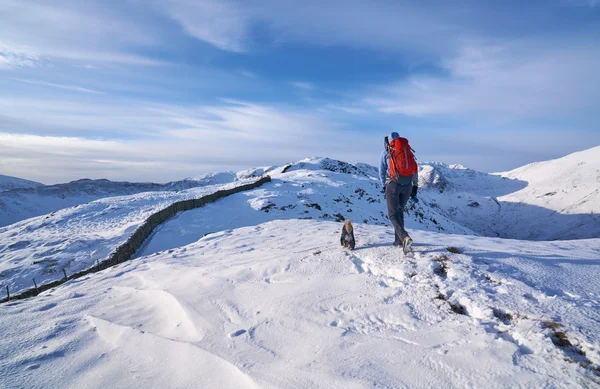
point(347, 239)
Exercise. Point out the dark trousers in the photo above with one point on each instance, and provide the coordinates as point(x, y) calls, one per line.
point(396, 197)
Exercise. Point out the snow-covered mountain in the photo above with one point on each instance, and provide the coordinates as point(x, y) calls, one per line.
point(561, 200)
point(28, 200)
point(254, 291)
point(10, 183)
point(552, 200)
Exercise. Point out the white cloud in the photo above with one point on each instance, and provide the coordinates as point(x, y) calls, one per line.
point(525, 79)
point(59, 86)
point(182, 141)
point(12, 57)
point(218, 22)
point(391, 25)
point(303, 85)
point(71, 30)
point(247, 73)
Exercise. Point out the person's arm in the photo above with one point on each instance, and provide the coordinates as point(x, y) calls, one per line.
point(383, 167)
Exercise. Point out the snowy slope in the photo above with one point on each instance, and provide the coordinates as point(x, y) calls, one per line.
point(75, 238)
point(563, 195)
point(24, 203)
point(552, 200)
point(254, 290)
point(280, 305)
point(10, 183)
point(314, 188)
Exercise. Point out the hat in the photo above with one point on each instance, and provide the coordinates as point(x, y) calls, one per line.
point(395, 135)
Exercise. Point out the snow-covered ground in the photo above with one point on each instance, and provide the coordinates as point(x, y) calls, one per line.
point(315, 188)
point(552, 200)
point(561, 200)
point(75, 238)
point(11, 183)
point(280, 305)
point(254, 290)
point(27, 200)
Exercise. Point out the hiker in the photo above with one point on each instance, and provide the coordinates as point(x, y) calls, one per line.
point(398, 172)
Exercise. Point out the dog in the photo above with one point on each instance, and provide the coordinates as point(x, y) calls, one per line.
point(347, 239)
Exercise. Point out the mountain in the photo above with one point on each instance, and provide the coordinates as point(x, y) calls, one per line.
point(561, 200)
point(11, 183)
point(25, 202)
point(552, 200)
point(253, 290)
point(75, 237)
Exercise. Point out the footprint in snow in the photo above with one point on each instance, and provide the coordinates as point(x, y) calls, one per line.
point(47, 307)
point(237, 333)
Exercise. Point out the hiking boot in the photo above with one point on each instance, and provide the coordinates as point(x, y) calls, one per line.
point(406, 244)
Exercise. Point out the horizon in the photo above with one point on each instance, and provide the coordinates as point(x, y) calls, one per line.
point(162, 90)
point(282, 164)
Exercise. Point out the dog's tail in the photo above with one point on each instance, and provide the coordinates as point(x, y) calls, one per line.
point(348, 226)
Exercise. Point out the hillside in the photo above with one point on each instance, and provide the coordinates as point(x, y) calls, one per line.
point(11, 183)
point(74, 238)
point(552, 200)
point(562, 200)
point(25, 202)
point(254, 290)
point(280, 305)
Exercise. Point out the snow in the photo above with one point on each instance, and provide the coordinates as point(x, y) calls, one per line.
point(281, 305)
point(10, 183)
point(563, 192)
point(315, 188)
point(75, 238)
point(552, 200)
point(255, 291)
point(27, 201)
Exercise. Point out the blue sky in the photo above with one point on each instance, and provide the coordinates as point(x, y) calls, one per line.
point(158, 90)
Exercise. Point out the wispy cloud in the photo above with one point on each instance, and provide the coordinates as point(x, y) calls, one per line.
point(80, 31)
point(504, 80)
point(60, 86)
point(12, 57)
point(218, 22)
point(229, 24)
point(302, 85)
point(181, 140)
point(247, 73)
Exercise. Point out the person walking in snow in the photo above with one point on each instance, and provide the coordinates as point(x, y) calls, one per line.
point(399, 175)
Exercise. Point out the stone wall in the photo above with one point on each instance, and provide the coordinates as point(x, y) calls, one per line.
point(125, 251)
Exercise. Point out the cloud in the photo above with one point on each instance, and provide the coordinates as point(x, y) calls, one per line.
point(12, 57)
point(59, 86)
point(392, 25)
point(218, 22)
point(302, 85)
point(502, 81)
point(247, 73)
point(160, 142)
point(72, 30)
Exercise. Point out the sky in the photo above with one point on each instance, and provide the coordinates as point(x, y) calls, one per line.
point(159, 90)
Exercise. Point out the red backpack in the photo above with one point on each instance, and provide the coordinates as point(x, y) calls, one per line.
point(402, 161)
